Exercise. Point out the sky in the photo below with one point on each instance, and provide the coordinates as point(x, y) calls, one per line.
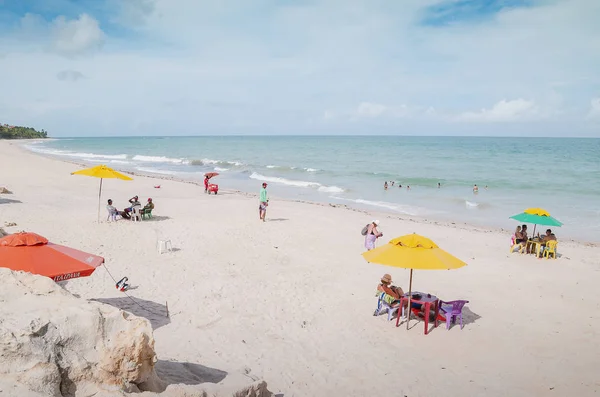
point(373, 67)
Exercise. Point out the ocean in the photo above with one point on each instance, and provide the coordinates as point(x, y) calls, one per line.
point(561, 175)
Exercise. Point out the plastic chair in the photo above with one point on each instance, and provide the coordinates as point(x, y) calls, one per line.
point(383, 306)
point(136, 213)
point(164, 245)
point(111, 215)
point(550, 249)
point(146, 214)
point(452, 310)
point(513, 243)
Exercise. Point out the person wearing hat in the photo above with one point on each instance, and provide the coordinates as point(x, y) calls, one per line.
point(392, 292)
point(134, 202)
point(372, 235)
point(264, 202)
point(148, 207)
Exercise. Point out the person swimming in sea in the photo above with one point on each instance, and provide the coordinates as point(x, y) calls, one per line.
point(385, 185)
point(439, 185)
point(475, 189)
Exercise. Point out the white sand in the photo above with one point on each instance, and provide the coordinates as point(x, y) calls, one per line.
point(291, 300)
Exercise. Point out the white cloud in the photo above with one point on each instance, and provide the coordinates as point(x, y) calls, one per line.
point(75, 36)
point(69, 75)
point(369, 109)
point(504, 111)
point(594, 113)
point(268, 70)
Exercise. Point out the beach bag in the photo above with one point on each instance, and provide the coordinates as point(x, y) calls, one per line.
point(365, 230)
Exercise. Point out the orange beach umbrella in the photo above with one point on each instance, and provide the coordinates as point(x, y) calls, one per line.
point(33, 253)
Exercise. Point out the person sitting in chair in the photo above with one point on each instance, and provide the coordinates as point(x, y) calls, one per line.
point(545, 239)
point(148, 207)
point(394, 293)
point(112, 211)
point(127, 211)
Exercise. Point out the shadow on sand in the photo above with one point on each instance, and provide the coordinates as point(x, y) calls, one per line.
point(277, 220)
point(156, 313)
point(9, 201)
point(157, 218)
point(173, 372)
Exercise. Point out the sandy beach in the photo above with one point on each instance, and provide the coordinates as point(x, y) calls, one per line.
point(291, 300)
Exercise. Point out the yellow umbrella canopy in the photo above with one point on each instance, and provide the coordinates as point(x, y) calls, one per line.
point(102, 172)
point(537, 211)
point(413, 251)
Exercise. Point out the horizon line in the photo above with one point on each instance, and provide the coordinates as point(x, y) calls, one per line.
point(324, 135)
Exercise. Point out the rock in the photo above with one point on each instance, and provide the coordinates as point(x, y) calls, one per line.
point(53, 344)
point(4, 190)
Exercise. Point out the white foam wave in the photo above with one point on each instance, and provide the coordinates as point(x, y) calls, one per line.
point(86, 156)
point(219, 169)
point(404, 209)
point(470, 204)
point(284, 181)
point(331, 189)
point(217, 162)
point(272, 166)
point(119, 162)
point(311, 169)
point(297, 183)
point(155, 171)
point(157, 159)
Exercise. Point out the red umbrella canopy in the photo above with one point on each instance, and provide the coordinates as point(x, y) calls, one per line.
point(19, 239)
point(33, 253)
point(211, 174)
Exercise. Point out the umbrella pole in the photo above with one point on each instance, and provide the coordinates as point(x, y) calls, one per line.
point(409, 296)
point(99, 198)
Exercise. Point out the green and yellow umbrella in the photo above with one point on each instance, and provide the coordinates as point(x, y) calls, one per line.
point(102, 172)
point(537, 216)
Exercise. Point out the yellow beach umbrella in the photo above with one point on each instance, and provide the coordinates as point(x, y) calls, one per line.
point(102, 172)
point(413, 251)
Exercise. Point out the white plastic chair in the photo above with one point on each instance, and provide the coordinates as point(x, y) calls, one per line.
point(136, 214)
point(164, 245)
point(111, 216)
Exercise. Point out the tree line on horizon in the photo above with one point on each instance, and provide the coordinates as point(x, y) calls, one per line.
point(18, 132)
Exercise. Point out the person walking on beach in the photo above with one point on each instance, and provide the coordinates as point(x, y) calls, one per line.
point(264, 202)
point(372, 235)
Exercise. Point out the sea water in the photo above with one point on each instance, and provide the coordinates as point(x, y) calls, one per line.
point(561, 175)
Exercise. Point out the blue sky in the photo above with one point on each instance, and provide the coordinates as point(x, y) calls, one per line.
point(192, 67)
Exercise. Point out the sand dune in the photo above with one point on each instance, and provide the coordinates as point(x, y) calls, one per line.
point(290, 301)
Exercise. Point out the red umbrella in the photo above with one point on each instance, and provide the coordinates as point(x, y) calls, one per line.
point(33, 253)
point(211, 174)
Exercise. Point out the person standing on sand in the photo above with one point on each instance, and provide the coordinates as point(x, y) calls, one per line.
point(264, 202)
point(372, 235)
point(206, 184)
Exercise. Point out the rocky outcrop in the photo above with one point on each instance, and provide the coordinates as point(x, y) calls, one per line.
point(4, 190)
point(55, 344)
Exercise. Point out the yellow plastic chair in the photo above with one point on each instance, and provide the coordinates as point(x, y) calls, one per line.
point(550, 249)
point(513, 244)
